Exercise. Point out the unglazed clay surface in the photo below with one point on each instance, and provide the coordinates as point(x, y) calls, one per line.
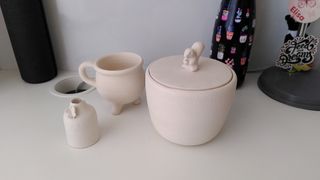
point(81, 124)
point(183, 114)
point(119, 78)
point(191, 57)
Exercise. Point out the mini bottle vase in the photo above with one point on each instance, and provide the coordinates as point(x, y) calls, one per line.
point(81, 124)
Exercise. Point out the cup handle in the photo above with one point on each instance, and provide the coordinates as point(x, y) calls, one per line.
point(84, 76)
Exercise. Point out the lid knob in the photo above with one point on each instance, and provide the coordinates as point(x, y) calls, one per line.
point(191, 57)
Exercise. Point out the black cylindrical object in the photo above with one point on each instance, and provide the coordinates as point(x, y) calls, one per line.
point(233, 35)
point(29, 35)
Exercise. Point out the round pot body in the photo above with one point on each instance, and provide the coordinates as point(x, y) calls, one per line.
point(189, 116)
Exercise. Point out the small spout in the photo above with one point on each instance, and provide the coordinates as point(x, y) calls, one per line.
point(73, 113)
point(72, 110)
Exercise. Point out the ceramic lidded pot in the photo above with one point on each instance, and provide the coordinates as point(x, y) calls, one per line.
point(189, 96)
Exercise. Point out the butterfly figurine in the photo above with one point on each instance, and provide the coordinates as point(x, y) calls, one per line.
point(307, 3)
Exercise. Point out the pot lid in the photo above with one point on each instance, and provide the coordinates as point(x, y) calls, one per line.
point(190, 72)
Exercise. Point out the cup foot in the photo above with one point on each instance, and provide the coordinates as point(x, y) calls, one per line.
point(116, 109)
point(138, 101)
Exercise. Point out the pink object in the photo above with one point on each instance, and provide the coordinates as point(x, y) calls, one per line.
point(304, 11)
point(225, 14)
point(189, 107)
point(230, 35)
point(243, 61)
point(218, 37)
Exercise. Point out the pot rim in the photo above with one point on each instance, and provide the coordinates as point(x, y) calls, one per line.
point(233, 78)
point(138, 64)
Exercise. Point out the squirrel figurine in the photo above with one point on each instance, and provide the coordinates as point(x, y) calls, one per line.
point(191, 57)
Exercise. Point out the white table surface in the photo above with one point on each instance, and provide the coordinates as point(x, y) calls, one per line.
point(262, 140)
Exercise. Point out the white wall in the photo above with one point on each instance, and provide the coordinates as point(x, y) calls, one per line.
point(85, 30)
point(7, 59)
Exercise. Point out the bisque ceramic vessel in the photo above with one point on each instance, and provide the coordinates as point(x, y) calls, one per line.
point(189, 96)
point(81, 124)
point(119, 78)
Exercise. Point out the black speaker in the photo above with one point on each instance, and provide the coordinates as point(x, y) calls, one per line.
point(29, 35)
